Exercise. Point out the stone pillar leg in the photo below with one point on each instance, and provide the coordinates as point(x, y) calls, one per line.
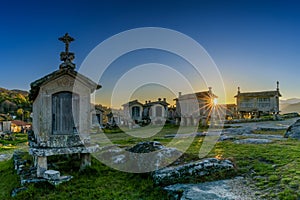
point(196, 121)
point(188, 121)
point(177, 122)
point(85, 160)
point(182, 122)
point(41, 165)
point(203, 122)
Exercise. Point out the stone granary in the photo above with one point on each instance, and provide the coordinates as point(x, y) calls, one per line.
point(155, 112)
point(195, 107)
point(61, 113)
point(133, 112)
point(255, 104)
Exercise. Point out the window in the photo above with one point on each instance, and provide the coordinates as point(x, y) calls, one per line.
point(263, 102)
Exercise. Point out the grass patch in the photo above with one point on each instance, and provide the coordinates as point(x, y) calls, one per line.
point(275, 132)
point(272, 167)
point(15, 141)
point(8, 179)
point(96, 182)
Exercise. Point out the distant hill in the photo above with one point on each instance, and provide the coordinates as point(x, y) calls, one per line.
point(15, 102)
point(290, 101)
point(290, 105)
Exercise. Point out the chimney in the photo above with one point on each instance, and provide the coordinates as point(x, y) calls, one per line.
point(165, 99)
point(149, 101)
point(277, 86)
point(146, 102)
point(159, 99)
point(179, 94)
point(239, 90)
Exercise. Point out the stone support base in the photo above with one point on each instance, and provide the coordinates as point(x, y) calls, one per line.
point(41, 165)
point(188, 121)
point(85, 160)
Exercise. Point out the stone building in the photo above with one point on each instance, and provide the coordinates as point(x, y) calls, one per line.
point(255, 104)
point(156, 111)
point(117, 117)
point(195, 107)
point(133, 112)
point(61, 113)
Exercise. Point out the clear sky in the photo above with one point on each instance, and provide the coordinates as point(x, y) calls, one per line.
point(253, 43)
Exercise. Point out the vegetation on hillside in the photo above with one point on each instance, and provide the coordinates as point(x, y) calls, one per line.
point(14, 103)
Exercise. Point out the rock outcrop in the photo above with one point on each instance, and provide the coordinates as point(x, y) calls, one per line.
point(253, 141)
point(192, 172)
point(293, 131)
point(141, 158)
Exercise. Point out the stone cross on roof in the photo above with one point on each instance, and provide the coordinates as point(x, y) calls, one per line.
point(67, 56)
point(67, 40)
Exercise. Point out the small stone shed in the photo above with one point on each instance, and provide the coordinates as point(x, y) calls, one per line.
point(61, 113)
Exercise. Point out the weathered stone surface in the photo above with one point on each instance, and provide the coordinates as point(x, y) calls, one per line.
point(196, 134)
point(225, 137)
point(264, 136)
point(51, 175)
point(5, 157)
point(42, 165)
point(17, 190)
point(237, 131)
point(293, 131)
point(146, 147)
point(85, 160)
point(32, 180)
point(143, 157)
point(61, 179)
point(29, 174)
point(191, 172)
point(232, 189)
point(60, 151)
point(253, 141)
point(270, 128)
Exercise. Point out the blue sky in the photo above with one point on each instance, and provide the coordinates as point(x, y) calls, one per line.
point(253, 43)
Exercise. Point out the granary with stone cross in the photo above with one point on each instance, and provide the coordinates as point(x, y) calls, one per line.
point(255, 104)
point(61, 112)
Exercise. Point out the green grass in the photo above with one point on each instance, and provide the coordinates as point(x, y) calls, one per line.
point(96, 182)
point(17, 140)
point(276, 164)
point(275, 132)
point(8, 179)
point(270, 167)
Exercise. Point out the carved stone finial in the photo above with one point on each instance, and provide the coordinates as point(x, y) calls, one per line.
point(210, 89)
point(67, 40)
point(277, 85)
point(67, 56)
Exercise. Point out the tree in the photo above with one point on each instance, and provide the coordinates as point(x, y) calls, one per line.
point(20, 113)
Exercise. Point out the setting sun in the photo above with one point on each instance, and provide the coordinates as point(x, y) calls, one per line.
point(215, 101)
